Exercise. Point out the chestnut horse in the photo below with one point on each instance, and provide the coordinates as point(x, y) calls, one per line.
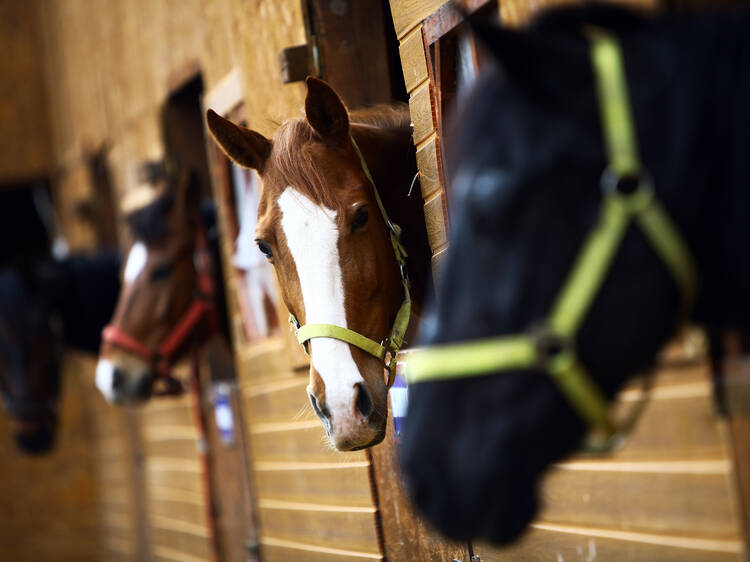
point(320, 226)
point(530, 190)
point(171, 298)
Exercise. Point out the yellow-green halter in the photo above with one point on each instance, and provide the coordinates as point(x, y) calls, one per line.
point(386, 350)
point(552, 348)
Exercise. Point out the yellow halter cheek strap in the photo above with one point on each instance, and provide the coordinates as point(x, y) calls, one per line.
point(385, 351)
point(552, 349)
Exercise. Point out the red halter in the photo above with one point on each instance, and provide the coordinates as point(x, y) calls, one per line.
point(202, 309)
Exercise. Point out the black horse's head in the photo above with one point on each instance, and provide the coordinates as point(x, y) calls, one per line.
point(525, 167)
point(30, 345)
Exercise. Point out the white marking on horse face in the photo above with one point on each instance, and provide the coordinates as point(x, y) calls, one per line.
point(105, 374)
point(312, 237)
point(137, 259)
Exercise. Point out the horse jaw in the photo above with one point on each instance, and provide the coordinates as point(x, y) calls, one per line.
point(312, 236)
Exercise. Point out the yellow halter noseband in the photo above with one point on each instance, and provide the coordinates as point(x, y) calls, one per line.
point(552, 348)
point(386, 350)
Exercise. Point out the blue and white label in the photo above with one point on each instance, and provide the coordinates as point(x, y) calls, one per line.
point(223, 414)
point(399, 394)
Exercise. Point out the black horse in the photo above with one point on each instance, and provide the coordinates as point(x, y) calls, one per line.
point(45, 306)
point(525, 168)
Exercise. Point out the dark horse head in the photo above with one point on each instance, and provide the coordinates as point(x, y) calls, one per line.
point(528, 154)
point(45, 306)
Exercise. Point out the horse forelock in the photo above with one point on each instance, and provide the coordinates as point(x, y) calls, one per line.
point(149, 223)
point(294, 164)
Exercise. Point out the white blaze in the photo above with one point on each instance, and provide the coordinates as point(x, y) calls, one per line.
point(104, 377)
point(137, 259)
point(312, 237)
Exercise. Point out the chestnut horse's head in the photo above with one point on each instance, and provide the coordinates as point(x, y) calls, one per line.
point(159, 284)
point(320, 227)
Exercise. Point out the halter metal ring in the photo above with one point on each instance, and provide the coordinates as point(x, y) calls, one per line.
point(550, 346)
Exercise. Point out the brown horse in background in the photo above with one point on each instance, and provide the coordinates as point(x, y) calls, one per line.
point(320, 227)
point(171, 295)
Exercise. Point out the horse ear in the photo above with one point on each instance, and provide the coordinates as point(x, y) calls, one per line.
point(247, 148)
point(325, 111)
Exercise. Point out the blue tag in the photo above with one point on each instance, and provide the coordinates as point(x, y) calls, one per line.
point(399, 394)
point(223, 414)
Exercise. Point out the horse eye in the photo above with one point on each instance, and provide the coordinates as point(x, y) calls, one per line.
point(361, 216)
point(265, 248)
point(161, 272)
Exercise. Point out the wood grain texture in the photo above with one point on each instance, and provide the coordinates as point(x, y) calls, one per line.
point(420, 107)
point(413, 59)
point(347, 486)
point(429, 169)
point(436, 221)
point(407, 14)
point(345, 530)
point(578, 544)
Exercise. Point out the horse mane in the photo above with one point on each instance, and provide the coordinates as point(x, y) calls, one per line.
point(383, 116)
point(148, 224)
point(294, 162)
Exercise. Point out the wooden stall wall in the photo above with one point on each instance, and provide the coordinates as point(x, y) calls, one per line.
point(120, 531)
point(48, 503)
point(670, 492)
point(25, 148)
point(108, 67)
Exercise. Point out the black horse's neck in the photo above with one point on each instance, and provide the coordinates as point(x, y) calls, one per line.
point(83, 290)
point(690, 103)
point(394, 170)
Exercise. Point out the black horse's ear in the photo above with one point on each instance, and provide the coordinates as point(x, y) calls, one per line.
point(325, 111)
point(245, 147)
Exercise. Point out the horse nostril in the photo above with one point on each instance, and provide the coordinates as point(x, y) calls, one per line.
point(363, 402)
point(320, 410)
point(118, 379)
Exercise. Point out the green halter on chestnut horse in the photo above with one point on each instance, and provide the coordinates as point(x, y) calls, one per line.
point(340, 258)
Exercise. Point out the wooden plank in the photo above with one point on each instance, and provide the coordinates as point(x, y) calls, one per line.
point(552, 543)
point(435, 216)
point(413, 59)
point(305, 443)
point(348, 486)
point(284, 402)
point(420, 108)
point(647, 499)
point(407, 14)
point(274, 549)
point(343, 530)
point(180, 541)
point(187, 511)
point(184, 448)
point(429, 169)
point(405, 535)
point(737, 381)
point(445, 19)
point(353, 50)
